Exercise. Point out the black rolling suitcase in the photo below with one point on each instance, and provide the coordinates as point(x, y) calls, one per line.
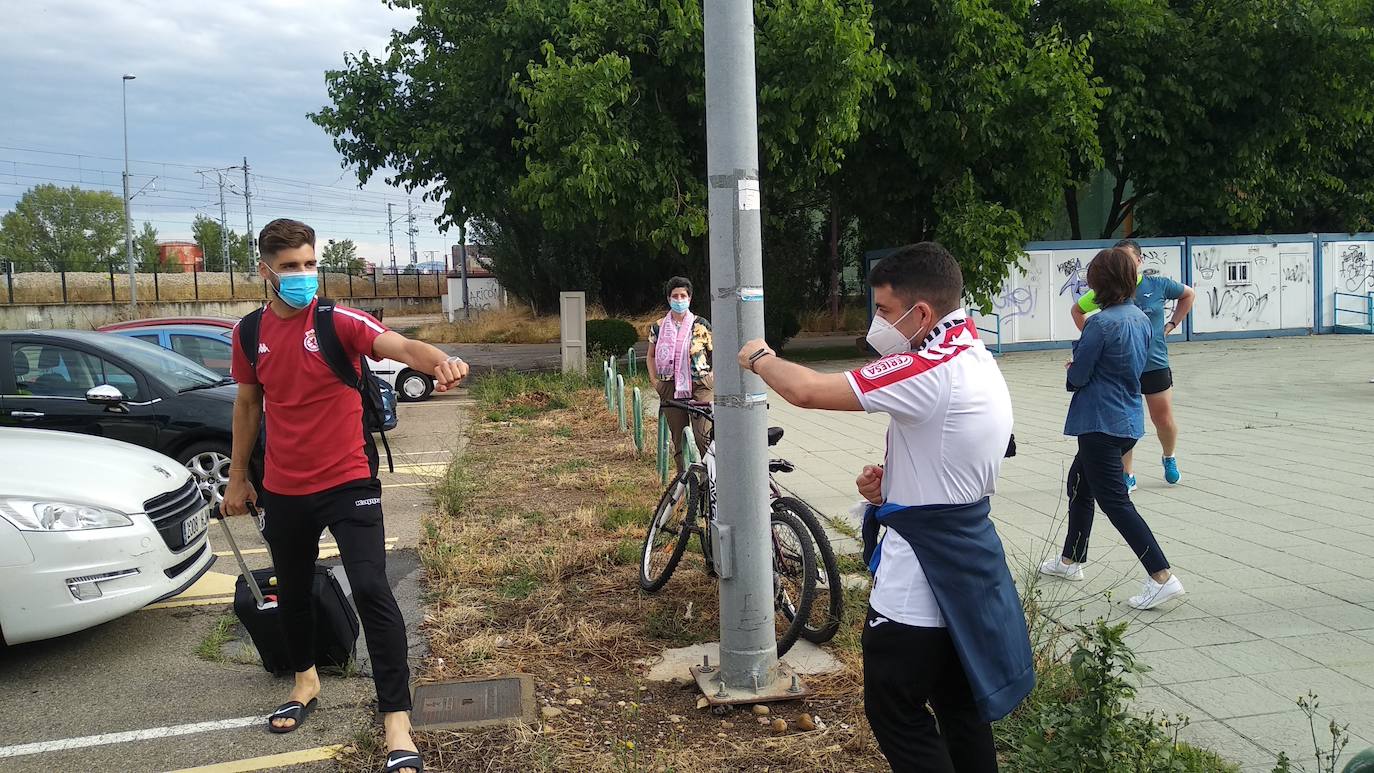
point(255, 605)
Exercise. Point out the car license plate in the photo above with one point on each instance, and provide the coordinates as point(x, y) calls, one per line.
point(194, 525)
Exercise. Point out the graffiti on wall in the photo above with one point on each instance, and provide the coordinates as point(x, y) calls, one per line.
point(1354, 269)
point(1075, 278)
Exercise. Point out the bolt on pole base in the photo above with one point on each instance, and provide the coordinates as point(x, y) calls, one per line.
point(787, 687)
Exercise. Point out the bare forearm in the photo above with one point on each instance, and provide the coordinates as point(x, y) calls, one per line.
point(793, 383)
point(422, 356)
point(1079, 318)
point(247, 421)
point(1184, 305)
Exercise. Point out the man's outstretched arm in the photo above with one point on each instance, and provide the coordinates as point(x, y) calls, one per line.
point(798, 384)
point(426, 358)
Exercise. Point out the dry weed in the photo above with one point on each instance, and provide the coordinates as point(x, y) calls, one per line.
point(526, 574)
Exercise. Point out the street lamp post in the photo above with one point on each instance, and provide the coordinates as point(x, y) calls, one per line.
point(128, 223)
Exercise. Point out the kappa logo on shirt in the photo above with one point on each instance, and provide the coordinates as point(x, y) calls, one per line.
point(311, 343)
point(262, 349)
point(886, 365)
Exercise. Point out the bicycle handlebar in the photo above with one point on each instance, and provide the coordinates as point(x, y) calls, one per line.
point(691, 406)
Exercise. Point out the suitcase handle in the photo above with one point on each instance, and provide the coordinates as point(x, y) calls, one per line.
point(243, 565)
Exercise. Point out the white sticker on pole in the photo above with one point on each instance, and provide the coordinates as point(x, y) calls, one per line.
point(748, 195)
point(750, 294)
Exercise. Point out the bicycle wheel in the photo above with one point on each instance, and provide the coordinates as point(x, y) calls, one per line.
point(794, 576)
point(701, 506)
point(827, 608)
point(669, 532)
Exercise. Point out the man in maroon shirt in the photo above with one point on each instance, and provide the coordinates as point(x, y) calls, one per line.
point(318, 473)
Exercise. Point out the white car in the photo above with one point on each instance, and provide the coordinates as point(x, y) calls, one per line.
point(92, 529)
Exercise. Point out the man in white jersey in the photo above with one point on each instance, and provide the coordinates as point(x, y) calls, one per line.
point(945, 626)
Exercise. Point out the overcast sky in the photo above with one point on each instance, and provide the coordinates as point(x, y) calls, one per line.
point(216, 81)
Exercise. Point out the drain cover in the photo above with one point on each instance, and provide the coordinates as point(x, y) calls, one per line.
point(467, 703)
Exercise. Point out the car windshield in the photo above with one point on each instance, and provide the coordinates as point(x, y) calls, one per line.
point(166, 366)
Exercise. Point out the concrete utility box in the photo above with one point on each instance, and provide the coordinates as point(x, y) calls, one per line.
point(572, 312)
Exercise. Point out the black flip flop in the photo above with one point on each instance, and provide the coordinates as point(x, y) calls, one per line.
point(400, 760)
point(291, 710)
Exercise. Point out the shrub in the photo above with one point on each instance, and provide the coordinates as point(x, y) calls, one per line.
point(1094, 731)
point(608, 337)
point(780, 324)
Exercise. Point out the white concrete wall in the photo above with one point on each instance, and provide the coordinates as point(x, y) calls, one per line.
point(1347, 267)
point(1035, 302)
point(483, 293)
point(1255, 286)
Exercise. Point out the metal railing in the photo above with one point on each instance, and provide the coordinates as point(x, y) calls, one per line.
point(1363, 313)
point(41, 282)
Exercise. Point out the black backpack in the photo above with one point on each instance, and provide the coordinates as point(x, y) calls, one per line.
point(331, 349)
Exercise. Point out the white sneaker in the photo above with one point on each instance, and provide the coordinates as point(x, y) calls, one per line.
point(1055, 567)
point(1152, 593)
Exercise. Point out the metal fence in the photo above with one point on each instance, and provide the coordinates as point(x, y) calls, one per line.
point(108, 282)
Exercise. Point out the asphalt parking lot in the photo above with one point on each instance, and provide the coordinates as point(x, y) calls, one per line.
point(156, 691)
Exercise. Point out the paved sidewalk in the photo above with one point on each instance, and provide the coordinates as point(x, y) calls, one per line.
point(1271, 530)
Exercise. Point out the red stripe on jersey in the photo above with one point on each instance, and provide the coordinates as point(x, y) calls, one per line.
point(899, 367)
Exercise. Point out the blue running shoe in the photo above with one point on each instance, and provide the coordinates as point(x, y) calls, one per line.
point(1130, 482)
point(1171, 470)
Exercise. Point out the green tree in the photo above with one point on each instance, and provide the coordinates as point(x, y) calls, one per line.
point(207, 232)
point(52, 228)
point(342, 257)
point(1233, 116)
point(146, 252)
point(574, 131)
point(973, 138)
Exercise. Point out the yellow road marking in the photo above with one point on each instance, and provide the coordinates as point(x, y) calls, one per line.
point(212, 584)
point(406, 485)
point(285, 759)
point(421, 469)
point(200, 602)
point(260, 551)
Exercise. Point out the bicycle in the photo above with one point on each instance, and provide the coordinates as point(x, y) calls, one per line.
point(691, 494)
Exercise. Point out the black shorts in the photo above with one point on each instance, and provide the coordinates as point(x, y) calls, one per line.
point(1152, 382)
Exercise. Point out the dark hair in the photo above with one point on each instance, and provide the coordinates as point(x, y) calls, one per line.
point(1129, 244)
point(922, 272)
point(1112, 276)
point(284, 234)
point(679, 281)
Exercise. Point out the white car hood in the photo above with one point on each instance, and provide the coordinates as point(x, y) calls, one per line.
point(83, 469)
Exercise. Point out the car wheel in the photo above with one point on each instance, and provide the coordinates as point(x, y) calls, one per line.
point(209, 462)
point(413, 387)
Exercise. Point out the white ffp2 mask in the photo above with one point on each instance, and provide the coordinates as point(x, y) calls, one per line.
point(884, 336)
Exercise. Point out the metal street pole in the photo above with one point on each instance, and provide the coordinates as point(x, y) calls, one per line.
point(128, 222)
point(248, 207)
point(748, 644)
point(223, 225)
point(463, 265)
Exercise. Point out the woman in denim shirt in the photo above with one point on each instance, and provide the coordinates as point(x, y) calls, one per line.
point(1107, 417)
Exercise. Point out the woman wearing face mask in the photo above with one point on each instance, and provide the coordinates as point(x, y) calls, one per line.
point(1107, 418)
point(680, 353)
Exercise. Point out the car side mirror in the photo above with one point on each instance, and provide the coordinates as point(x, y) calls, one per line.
point(105, 395)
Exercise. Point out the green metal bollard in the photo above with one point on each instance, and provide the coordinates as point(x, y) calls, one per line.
point(630, 360)
point(620, 400)
point(638, 406)
point(665, 448)
point(606, 386)
point(689, 447)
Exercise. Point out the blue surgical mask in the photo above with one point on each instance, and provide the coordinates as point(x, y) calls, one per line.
point(297, 289)
point(680, 306)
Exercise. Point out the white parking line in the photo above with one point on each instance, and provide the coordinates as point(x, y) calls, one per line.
point(105, 739)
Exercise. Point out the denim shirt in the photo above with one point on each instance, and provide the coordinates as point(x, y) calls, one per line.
point(1105, 375)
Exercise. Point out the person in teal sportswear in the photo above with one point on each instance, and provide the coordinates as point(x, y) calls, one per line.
point(1157, 382)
